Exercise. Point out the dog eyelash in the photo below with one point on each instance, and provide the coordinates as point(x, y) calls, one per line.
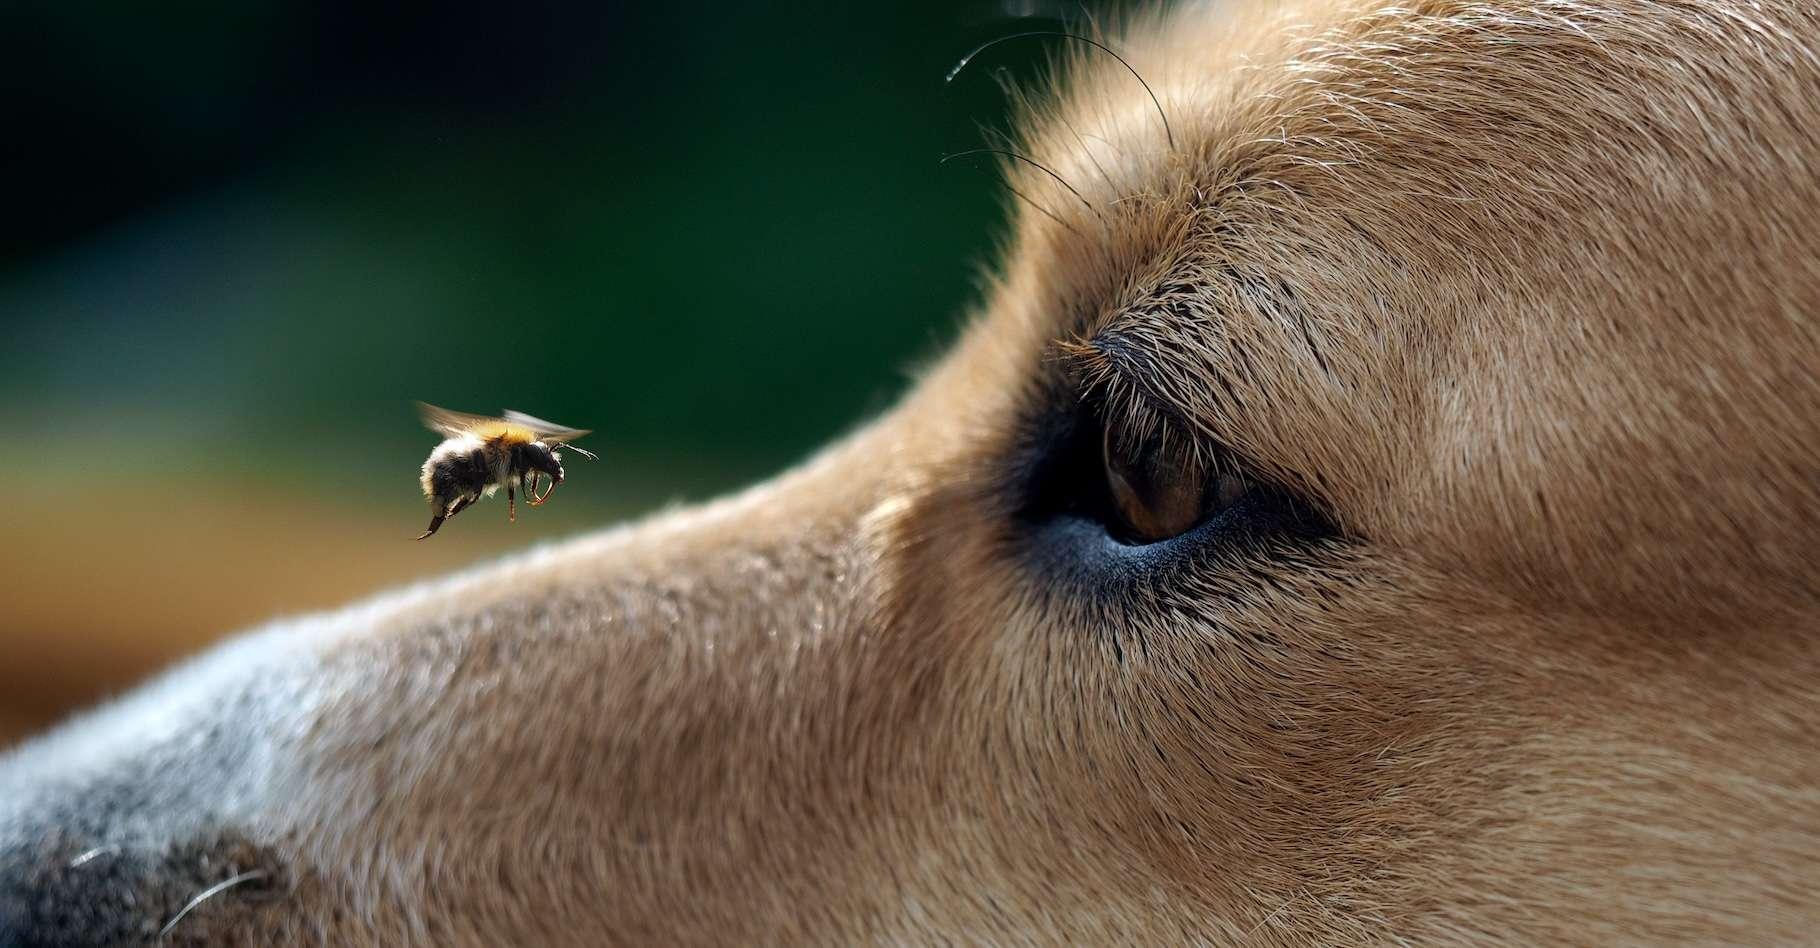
point(1145, 443)
point(1107, 372)
point(1121, 404)
point(1127, 413)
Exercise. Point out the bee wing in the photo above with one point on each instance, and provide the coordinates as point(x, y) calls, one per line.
point(450, 423)
point(545, 431)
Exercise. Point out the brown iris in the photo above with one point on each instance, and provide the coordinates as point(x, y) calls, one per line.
point(1160, 486)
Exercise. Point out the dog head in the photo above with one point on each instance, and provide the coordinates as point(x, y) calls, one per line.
point(1374, 501)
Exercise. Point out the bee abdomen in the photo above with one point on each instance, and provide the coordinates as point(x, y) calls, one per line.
point(457, 467)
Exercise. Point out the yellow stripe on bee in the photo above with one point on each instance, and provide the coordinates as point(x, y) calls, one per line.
point(503, 431)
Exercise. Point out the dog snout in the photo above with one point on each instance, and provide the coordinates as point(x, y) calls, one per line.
point(131, 825)
point(55, 893)
point(310, 778)
point(59, 888)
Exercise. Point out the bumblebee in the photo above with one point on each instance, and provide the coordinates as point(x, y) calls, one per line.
point(480, 455)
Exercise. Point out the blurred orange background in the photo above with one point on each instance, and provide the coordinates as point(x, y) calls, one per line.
point(120, 579)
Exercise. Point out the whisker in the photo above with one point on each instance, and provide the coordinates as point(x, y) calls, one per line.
point(1041, 209)
point(1029, 161)
point(1080, 140)
point(97, 852)
point(210, 893)
point(1027, 199)
point(1168, 133)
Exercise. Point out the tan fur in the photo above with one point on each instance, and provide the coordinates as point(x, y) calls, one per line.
point(1521, 294)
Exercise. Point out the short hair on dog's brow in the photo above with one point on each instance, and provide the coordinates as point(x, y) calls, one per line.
point(1351, 211)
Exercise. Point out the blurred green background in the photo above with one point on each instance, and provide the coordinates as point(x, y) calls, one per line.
point(239, 238)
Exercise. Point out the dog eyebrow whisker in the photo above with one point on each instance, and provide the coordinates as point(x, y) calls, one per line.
point(210, 893)
point(1027, 199)
point(1168, 133)
point(1007, 153)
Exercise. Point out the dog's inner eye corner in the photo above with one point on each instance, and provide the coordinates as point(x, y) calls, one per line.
point(1159, 485)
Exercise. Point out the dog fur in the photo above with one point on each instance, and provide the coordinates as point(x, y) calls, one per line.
point(1518, 294)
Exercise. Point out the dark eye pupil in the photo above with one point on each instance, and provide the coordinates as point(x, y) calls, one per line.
point(1158, 488)
point(1145, 483)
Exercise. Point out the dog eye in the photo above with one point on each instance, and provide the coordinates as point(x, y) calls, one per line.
point(1160, 485)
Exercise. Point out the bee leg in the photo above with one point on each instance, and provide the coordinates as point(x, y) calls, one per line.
point(538, 501)
point(460, 504)
point(435, 522)
point(511, 504)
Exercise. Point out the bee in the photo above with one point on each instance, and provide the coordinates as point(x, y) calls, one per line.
point(481, 455)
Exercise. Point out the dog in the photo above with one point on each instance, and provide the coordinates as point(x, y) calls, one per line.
point(1374, 502)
